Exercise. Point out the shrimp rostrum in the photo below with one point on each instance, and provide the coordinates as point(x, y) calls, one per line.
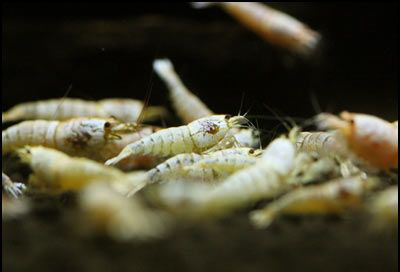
point(197, 137)
point(125, 110)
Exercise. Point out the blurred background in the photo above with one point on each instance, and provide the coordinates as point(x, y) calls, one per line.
point(107, 49)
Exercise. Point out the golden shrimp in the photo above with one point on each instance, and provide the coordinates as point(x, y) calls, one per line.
point(93, 138)
point(370, 138)
point(13, 189)
point(105, 211)
point(56, 172)
point(125, 110)
point(196, 137)
point(272, 25)
point(333, 197)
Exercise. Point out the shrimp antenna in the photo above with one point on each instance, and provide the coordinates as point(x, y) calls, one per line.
point(284, 123)
point(147, 98)
point(62, 100)
point(315, 103)
point(241, 103)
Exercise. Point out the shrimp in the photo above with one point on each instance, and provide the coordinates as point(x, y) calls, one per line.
point(370, 138)
point(323, 143)
point(272, 25)
point(188, 106)
point(266, 178)
point(56, 172)
point(332, 197)
point(196, 137)
point(93, 138)
point(308, 168)
point(125, 110)
point(182, 164)
point(384, 208)
point(13, 189)
point(215, 167)
point(106, 211)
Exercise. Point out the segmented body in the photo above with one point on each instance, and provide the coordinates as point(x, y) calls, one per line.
point(267, 178)
point(196, 137)
point(370, 138)
point(125, 110)
point(333, 197)
point(225, 160)
point(56, 172)
point(93, 138)
point(272, 25)
point(323, 143)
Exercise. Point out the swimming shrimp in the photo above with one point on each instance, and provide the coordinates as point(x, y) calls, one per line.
point(56, 172)
point(93, 138)
point(196, 137)
point(272, 25)
point(105, 211)
point(13, 189)
point(384, 208)
point(266, 178)
point(333, 197)
point(125, 110)
point(370, 138)
point(188, 106)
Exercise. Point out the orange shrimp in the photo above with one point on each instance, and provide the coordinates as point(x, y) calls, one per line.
point(372, 139)
point(272, 25)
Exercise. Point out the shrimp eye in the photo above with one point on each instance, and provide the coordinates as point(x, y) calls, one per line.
point(251, 151)
point(107, 125)
point(228, 116)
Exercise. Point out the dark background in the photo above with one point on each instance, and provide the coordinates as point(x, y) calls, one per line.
point(106, 50)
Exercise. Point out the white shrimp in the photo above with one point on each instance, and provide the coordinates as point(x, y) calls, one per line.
point(125, 110)
point(93, 138)
point(267, 178)
point(190, 108)
point(56, 172)
point(196, 137)
point(106, 211)
point(176, 167)
point(309, 167)
point(333, 197)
